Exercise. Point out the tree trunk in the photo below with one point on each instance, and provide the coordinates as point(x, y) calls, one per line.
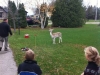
point(42, 26)
point(44, 20)
point(14, 25)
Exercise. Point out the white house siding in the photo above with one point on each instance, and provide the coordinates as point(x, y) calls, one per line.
point(4, 13)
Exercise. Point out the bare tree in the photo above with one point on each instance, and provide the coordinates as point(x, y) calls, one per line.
point(43, 8)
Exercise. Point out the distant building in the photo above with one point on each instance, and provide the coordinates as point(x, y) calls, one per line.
point(3, 12)
point(36, 16)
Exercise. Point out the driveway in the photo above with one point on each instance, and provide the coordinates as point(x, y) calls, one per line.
point(7, 63)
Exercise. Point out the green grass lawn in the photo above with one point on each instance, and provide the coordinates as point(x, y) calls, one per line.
point(66, 58)
point(93, 21)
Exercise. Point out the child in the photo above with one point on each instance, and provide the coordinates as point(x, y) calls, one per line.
point(29, 64)
point(93, 58)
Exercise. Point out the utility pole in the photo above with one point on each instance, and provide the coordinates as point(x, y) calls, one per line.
point(96, 11)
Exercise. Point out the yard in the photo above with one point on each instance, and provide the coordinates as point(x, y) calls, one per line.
point(66, 58)
point(93, 21)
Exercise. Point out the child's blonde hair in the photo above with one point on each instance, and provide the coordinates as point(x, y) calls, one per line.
point(29, 55)
point(92, 54)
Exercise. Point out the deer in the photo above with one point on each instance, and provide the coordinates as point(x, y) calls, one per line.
point(55, 35)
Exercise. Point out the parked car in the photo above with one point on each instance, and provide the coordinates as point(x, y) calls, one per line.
point(31, 21)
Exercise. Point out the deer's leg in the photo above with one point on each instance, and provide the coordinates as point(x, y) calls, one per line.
point(54, 41)
point(59, 39)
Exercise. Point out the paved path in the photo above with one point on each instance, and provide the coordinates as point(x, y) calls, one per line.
point(86, 23)
point(92, 22)
point(7, 63)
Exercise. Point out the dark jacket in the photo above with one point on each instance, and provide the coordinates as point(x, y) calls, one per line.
point(91, 69)
point(29, 65)
point(5, 29)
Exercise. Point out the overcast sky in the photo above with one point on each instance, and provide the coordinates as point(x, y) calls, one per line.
point(86, 3)
point(92, 2)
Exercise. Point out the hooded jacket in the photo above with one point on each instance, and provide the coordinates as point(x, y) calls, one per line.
point(29, 65)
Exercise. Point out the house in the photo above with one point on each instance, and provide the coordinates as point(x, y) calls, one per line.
point(3, 12)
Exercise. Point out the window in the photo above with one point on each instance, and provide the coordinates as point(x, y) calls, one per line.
point(0, 14)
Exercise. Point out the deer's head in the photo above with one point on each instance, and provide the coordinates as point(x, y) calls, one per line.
point(51, 29)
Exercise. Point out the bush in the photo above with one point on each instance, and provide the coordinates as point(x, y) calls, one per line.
point(70, 16)
point(22, 15)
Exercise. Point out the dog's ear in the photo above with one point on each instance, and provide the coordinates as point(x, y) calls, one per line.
point(26, 49)
point(23, 49)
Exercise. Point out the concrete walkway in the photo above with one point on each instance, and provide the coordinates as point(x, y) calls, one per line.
point(92, 22)
point(7, 63)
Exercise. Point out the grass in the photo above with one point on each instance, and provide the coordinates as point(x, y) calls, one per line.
point(66, 58)
point(93, 21)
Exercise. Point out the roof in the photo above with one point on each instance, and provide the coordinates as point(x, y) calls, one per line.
point(5, 9)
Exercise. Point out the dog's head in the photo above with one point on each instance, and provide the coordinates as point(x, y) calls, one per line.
point(25, 49)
